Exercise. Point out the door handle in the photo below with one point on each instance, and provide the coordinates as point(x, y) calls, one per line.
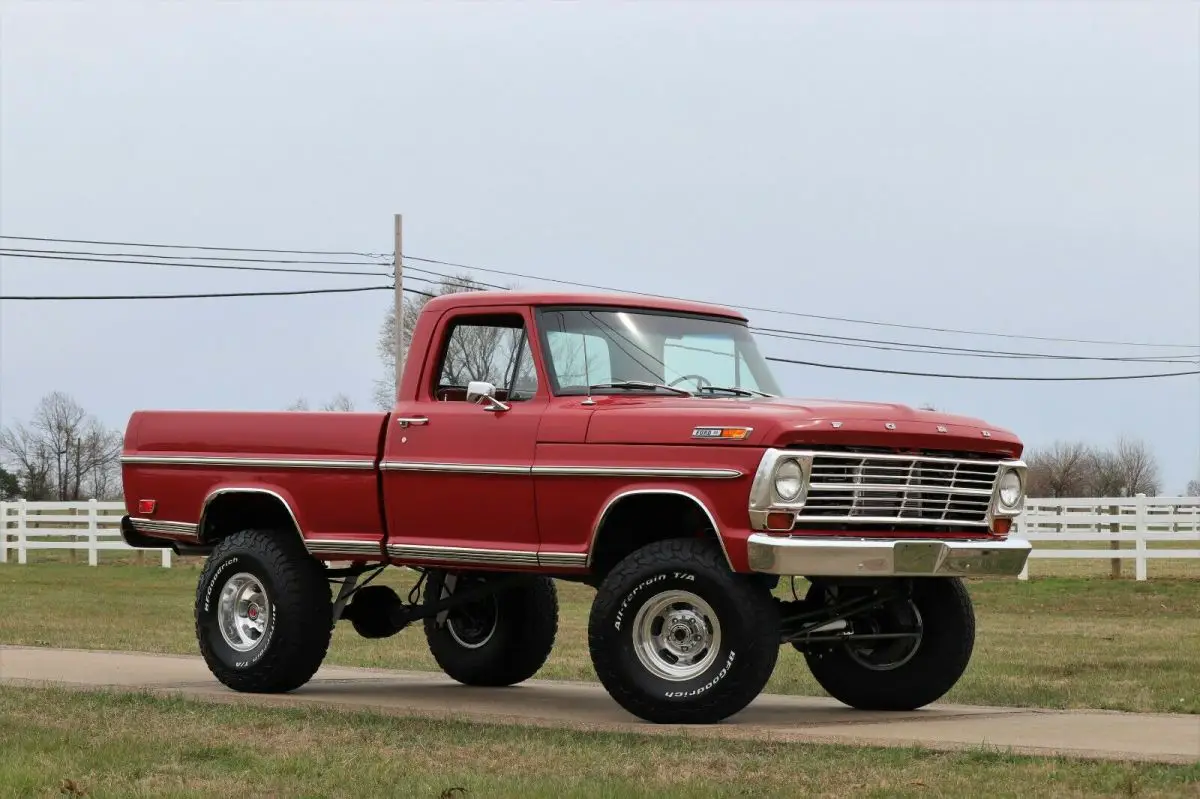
point(405, 421)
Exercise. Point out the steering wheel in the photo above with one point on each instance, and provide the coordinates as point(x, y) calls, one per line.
point(700, 380)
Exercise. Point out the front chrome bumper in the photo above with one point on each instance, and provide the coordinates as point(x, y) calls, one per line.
point(856, 557)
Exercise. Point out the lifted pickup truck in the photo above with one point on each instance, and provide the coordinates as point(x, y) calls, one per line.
point(636, 445)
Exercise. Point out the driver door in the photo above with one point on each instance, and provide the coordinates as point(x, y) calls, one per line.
point(457, 473)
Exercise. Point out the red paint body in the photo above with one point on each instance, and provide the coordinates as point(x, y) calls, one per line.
point(515, 507)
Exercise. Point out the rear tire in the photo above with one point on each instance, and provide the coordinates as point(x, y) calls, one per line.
point(263, 612)
point(899, 675)
point(676, 637)
point(502, 639)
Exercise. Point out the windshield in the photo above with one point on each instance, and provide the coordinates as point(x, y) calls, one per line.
point(604, 347)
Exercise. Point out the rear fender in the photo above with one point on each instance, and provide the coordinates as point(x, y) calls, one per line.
point(259, 505)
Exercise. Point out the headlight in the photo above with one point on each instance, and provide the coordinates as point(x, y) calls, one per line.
point(1010, 490)
point(789, 480)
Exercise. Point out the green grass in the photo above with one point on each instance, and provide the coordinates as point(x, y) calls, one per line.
point(1056, 642)
point(57, 742)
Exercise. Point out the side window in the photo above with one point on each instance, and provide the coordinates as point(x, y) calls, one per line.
point(493, 349)
point(579, 359)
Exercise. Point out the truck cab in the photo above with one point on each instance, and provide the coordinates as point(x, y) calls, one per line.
point(638, 445)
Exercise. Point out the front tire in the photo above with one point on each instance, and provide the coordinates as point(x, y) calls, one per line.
point(904, 674)
point(263, 611)
point(676, 637)
point(501, 639)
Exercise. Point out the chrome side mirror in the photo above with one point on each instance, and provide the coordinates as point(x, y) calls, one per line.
point(481, 392)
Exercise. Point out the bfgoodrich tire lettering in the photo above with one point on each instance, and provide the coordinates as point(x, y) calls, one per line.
point(285, 612)
point(946, 621)
point(677, 638)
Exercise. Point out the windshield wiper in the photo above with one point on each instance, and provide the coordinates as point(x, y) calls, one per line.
point(641, 384)
point(741, 392)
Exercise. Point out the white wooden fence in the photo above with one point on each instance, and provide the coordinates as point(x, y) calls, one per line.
point(92, 526)
point(1109, 523)
point(1106, 524)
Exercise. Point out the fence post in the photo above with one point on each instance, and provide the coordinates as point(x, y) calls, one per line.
point(166, 558)
point(22, 529)
point(1142, 525)
point(92, 524)
point(1115, 527)
point(3, 532)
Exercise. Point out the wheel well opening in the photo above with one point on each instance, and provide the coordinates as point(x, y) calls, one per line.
point(640, 519)
point(234, 511)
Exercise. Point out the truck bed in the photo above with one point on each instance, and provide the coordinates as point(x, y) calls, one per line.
point(323, 465)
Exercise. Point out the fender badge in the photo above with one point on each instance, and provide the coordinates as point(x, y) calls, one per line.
point(722, 433)
point(941, 428)
point(890, 425)
point(836, 424)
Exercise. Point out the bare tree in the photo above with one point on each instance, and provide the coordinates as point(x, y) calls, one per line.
point(340, 402)
point(1062, 470)
point(64, 453)
point(1193, 488)
point(478, 350)
point(1137, 468)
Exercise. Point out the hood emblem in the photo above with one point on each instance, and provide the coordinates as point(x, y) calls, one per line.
point(987, 433)
point(836, 424)
point(890, 425)
point(941, 428)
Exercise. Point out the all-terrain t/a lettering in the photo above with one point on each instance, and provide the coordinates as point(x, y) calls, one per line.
point(510, 462)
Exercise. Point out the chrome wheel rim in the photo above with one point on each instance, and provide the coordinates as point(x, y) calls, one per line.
point(471, 625)
point(887, 655)
point(676, 635)
point(243, 612)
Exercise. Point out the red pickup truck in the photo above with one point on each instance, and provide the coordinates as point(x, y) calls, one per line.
point(635, 445)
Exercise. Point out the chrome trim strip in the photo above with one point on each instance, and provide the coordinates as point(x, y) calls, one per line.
point(488, 557)
point(636, 471)
point(222, 460)
point(458, 468)
point(343, 547)
point(829, 557)
point(161, 526)
point(901, 520)
point(246, 490)
point(569, 560)
point(642, 491)
point(563, 471)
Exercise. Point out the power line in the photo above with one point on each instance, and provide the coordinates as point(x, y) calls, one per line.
point(891, 346)
point(961, 352)
point(974, 377)
point(13, 252)
point(757, 309)
point(761, 309)
point(195, 247)
point(178, 264)
point(211, 295)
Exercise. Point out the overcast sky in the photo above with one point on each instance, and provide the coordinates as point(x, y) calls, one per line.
point(1024, 168)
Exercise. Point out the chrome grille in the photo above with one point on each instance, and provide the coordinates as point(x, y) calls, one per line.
point(920, 490)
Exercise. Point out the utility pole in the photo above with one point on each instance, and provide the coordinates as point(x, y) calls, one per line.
point(399, 261)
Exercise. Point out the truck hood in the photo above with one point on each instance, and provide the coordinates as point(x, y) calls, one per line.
point(783, 422)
